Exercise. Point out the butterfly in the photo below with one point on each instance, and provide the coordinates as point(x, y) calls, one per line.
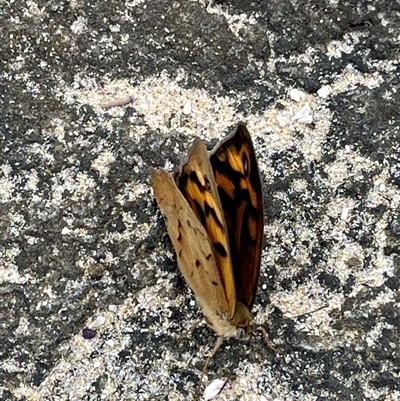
point(214, 217)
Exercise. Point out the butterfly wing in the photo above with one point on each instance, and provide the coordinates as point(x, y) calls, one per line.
point(197, 184)
point(194, 250)
point(238, 180)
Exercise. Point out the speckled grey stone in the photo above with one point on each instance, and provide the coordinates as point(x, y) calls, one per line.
point(80, 230)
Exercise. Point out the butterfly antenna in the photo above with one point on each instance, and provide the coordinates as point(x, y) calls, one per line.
point(310, 312)
point(268, 340)
point(219, 342)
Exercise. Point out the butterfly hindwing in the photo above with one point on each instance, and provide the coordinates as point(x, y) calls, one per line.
point(237, 177)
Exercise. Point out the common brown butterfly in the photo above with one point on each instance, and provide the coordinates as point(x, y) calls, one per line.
point(215, 219)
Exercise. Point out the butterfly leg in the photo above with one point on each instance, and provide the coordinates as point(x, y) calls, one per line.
point(191, 329)
point(219, 342)
point(213, 352)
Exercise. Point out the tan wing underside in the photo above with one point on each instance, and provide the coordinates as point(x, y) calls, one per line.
point(192, 245)
point(197, 184)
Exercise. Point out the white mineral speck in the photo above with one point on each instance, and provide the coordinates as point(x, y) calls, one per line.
point(303, 115)
point(345, 213)
point(112, 308)
point(65, 231)
point(214, 388)
point(99, 321)
point(324, 92)
point(187, 108)
point(296, 95)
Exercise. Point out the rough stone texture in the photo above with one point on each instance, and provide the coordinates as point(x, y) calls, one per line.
point(92, 303)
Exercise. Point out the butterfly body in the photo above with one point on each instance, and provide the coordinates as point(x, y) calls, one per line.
point(214, 217)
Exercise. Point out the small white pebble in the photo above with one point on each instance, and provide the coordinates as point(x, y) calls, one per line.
point(215, 388)
point(110, 343)
point(112, 308)
point(65, 231)
point(99, 321)
point(296, 95)
point(187, 108)
point(316, 117)
point(345, 213)
point(308, 119)
point(303, 115)
point(324, 92)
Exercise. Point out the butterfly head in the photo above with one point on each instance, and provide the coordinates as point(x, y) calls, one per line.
point(241, 320)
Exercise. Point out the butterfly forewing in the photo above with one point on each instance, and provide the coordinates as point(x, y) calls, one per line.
point(197, 184)
point(237, 177)
point(194, 250)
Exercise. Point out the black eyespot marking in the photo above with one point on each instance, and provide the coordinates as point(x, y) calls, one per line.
point(214, 283)
point(246, 163)
point(198, 264)
point(220, 249)
point(209, 256)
